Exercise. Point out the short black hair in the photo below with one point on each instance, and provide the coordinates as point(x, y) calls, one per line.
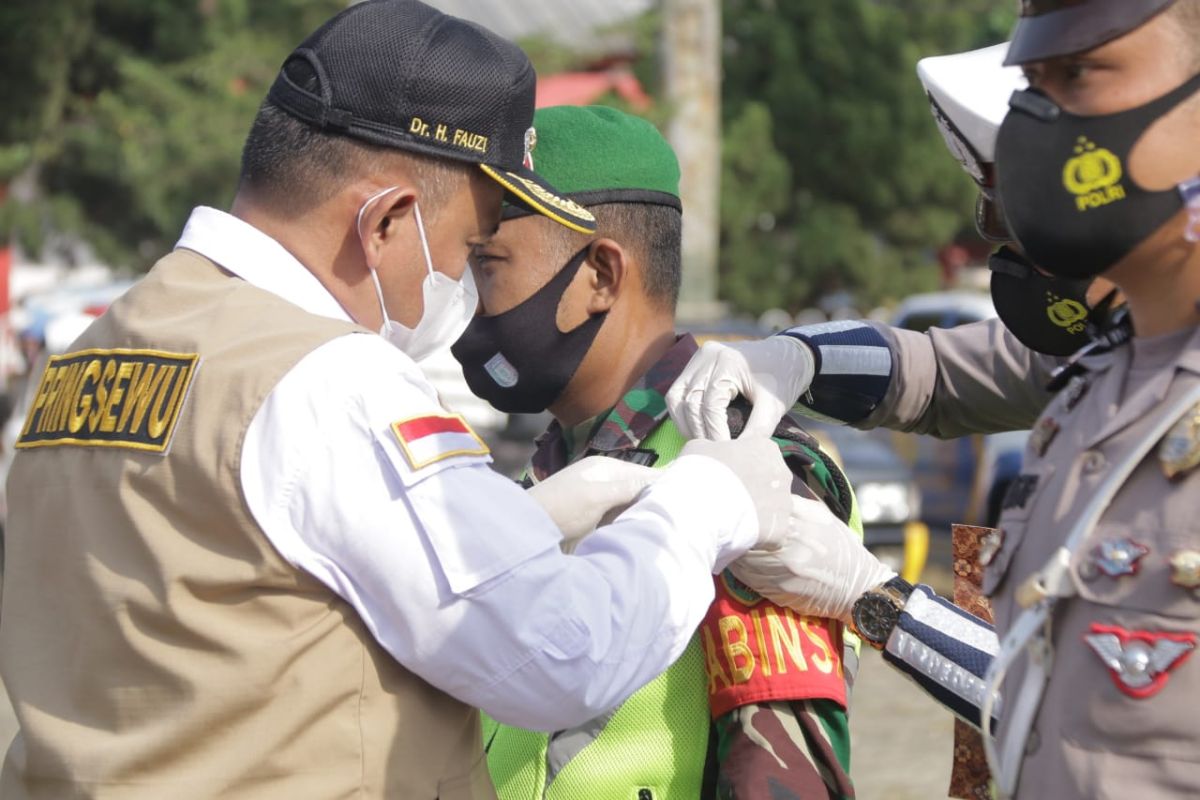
point(294, 167)
point(656, 233)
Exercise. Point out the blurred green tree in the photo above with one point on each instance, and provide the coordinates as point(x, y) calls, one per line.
point(117, 117)
point(121, 115)
point(834, 176)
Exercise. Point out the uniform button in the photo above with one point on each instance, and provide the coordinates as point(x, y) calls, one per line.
point(1032, 743)
point(1094, 461)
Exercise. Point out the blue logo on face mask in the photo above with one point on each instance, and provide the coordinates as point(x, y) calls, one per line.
point(502, 371)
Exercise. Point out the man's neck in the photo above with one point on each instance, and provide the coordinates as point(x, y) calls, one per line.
point(1163, 300)
point(596, 390)
point(321, 254)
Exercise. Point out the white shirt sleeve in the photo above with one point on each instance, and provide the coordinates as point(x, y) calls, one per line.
point(455, 571)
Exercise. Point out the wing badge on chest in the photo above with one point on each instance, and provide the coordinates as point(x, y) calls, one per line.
point(1139, 662)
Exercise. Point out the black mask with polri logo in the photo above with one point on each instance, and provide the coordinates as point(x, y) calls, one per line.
point(1065, 184)
point(519, 361)
point(1047, 314)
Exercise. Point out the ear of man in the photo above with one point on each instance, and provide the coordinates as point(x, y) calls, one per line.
point(378, 223)
point(609, 270)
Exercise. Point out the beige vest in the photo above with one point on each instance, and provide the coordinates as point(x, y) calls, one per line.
point(154, 643)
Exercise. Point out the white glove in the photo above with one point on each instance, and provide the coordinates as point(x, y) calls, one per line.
point(819, 569)
point(759, 465)
point(771, 373)
point(580, 496)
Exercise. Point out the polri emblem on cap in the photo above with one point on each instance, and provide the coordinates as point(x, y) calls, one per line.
point(1043, 434)
point(1179, 450)
point(530, 143)
point(1139, 661)
point(1118, 557)
point(1185, 568)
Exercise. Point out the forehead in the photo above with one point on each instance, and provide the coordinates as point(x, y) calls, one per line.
point(530, 233)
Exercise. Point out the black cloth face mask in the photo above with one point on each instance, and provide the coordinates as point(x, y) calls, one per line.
point(1068, 196)
point(1046, 313)
point(519, 361)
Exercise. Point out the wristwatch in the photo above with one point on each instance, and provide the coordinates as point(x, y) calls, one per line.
point(876, 611)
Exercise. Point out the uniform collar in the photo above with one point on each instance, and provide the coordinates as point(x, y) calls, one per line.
point(257, 259)
point(1133, 403)
point(629, 422)
point(1189, 359)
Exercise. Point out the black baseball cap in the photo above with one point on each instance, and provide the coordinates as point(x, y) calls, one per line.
point(398, 73)
point(1052, 28)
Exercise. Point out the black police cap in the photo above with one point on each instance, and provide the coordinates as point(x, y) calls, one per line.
point(398, 73)
point(1052, 28)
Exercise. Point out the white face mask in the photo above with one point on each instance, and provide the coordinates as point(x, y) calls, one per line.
point(449, 304)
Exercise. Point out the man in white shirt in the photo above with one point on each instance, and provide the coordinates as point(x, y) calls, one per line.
point(251, 555)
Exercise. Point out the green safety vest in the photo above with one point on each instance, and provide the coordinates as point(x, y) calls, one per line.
point(652, 747)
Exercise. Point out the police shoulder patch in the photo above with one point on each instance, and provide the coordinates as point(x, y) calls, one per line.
point(431, 438)
point(110, 398)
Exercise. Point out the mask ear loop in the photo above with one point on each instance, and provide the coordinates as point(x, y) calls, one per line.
point(421, 234)
point(1190, 191)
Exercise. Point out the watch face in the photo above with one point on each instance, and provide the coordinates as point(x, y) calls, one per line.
point(875, 616)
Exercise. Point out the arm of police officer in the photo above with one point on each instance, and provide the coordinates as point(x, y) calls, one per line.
point(971, 379)
point(820, 568)
point(455, 571)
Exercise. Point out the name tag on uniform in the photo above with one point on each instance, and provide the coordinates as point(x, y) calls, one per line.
point(110, 398)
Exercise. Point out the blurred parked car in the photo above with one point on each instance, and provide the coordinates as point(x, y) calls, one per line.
point(964, 479)
point(889, 502)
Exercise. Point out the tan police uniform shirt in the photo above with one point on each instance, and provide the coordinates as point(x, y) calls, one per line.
point(1119, 715)
point(975, 378)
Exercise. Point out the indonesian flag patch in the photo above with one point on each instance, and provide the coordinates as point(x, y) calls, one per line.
point(432, 438)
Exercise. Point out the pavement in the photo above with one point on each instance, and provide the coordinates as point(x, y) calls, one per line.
point(901, 742)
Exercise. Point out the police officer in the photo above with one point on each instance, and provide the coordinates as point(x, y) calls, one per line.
point(249, 553)
point(869, 374)
point(1095, 570)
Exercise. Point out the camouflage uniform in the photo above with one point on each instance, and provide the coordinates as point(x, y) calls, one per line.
point(764, 750)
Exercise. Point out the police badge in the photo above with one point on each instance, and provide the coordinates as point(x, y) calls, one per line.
point(1179, 450)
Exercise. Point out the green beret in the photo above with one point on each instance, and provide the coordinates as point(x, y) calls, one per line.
point(595, 154)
